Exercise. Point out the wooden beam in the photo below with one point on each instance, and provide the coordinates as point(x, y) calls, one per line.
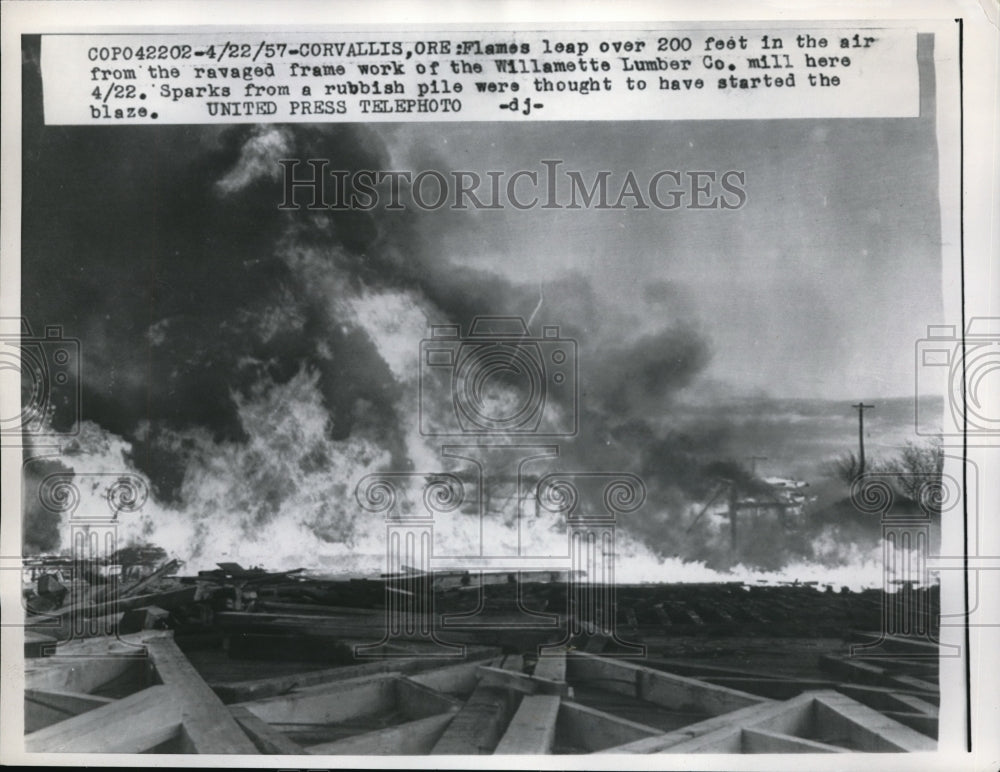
point(594, 730)
point(917, 705)
point(330, 703)
point(522, 682)
point(477, 727)
point(725, 740)
point(414, 738)
point(244, 691)
point(415, 700)
point(131, 725)
point(208, 726)
point(665, 689)
point(921, 722)
point(912, 682)
point(551, 667)
point(871, 674)
point(533, 728)
point(772, 688)
point(794, 717)
point(316, 609)
point(888, 699)
point(265, 737)
point(44, 708)
point(80, 674)
point(902, 665)
point(454, 679)
point(344, 626)
point(133, 644)
point(697, 669)
point(900, 644)
point(133, 590)
point(763, 741)
point(168, 599)
point(865, 729)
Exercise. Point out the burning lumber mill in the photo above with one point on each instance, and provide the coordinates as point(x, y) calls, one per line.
point(246, 661)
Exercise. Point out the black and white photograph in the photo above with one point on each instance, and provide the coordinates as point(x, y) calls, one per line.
point(375, 392)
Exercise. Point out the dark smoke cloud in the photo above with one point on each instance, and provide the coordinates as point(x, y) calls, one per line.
point(643, 376)
point(165, 252)
point(188, 286)
point(41, 525)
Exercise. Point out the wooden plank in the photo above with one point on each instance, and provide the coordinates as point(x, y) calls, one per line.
point(477, 727)
point(725, 740)
point(879, 697)
point(414, 738)
point(131, 725)
point(208, 726)
point(245, 691)
point(78, 674)
point(914, 683)
point(317, 609)
point(888, 699)
point(161, 572)
point(44, 708)
point(416, 701)
point(343, 626)
point(794, 717)
point(696, 669)
point(763, 741)
point(900, 665)
point(551, 667)
point(265, 737)
point(594, 730)
point(168, 599)
point(522, 682)
point(873, 675)
point(330, 703)
point(854, 670)
point(133, 644)
point(917, 705)
point(454, 679)
point(772, 688)
point(921, 722)
point(666, 689)
point(533, 728)
point(866, 729)
point(899, 644)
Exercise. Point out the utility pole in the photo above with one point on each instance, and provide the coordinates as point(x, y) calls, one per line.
point(733, 510)
point(861, 407)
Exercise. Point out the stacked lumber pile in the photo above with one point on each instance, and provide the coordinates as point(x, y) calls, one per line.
point(140, 694)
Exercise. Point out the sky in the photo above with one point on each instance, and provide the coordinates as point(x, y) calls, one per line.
point(818, 287)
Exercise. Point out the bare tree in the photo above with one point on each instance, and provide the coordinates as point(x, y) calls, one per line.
point(846, 467)
point(913, 472)
point(916, 470)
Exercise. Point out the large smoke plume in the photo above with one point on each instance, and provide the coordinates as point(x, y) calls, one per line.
point(254, 363)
